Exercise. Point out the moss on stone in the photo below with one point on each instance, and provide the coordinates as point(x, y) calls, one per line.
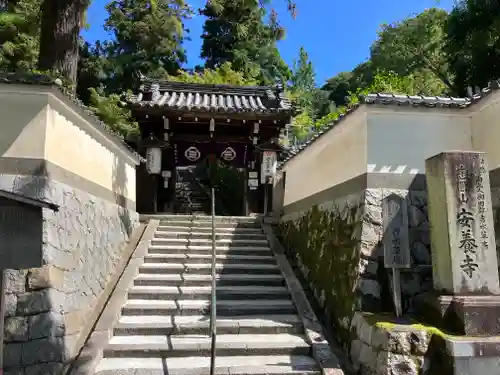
point(325, 243)
point(389, 323)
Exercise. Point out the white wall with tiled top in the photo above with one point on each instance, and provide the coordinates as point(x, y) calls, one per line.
point(401, 139)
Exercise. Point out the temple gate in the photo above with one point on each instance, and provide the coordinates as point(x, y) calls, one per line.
point(187, 126)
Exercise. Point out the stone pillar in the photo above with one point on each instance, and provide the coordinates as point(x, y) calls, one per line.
point(464, 259)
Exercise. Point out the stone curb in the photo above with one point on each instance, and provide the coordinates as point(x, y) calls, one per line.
point(321, 351)
point(92, 352)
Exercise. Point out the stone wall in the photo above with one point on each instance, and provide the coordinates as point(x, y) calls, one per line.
point(382, 347)
point(418, 278)
point(54, 150)
point(49, 308)
point(347, 234)
point(324, 241)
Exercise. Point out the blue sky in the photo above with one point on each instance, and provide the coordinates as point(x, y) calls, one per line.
point(337, 34)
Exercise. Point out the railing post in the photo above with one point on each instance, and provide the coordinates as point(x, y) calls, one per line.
point(213, 310)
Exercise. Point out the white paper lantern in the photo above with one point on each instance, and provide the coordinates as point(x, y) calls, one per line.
point(153, 160)
point(268, 167)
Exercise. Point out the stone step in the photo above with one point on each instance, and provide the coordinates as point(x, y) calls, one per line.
point(221, 241)
point(192, 203)
point(155, 244)
point(234, 365)
point(191, 199)
point(208, 229)
point(200, 324)
point(208, 223)
point(227, 219)
point(208, 235)
point(222, 279)
point(199, 345)
point(204, 292)
point(204, 250)
point(201, 307)
point(224, 258)
point(206, 268)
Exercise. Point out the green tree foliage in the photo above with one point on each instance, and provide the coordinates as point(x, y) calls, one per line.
point(92, 68)
point(222, 75)
point(235, 31)
point(389, 82)
point(381, 83)
point(414, 46)
point(148, 39)
point(473, 44)
point(111, 110)
point(19, 35)
point(431, 53)
point(343, 83)
point(303, 81)
point(310, 101)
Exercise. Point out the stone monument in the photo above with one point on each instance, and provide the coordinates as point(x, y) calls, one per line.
point(464, 258)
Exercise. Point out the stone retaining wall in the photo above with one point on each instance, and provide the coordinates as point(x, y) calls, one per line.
point(379, 347)
point(325, 242)
point(51, 149)
point(48, 309)
point(417, 279)
point(314, 236)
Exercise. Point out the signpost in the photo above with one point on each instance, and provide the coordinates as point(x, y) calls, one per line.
point(396, 243)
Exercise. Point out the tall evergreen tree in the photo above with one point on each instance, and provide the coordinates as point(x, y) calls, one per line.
point(473, 43)
point(303, 79)
point(235, 31)
point(148, 39)
point(61, 22)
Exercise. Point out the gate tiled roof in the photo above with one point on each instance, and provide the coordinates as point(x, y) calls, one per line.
point(196, 97)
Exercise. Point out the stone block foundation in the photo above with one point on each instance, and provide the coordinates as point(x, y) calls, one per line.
point(49, 310)
point(381, 346)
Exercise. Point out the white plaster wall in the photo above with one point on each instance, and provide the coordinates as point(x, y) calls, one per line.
point(72, 148)
point(22, 125)
point(401, 136)
point(486, 128)
point(337, 156)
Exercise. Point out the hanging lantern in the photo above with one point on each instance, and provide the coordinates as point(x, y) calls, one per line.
point(153, 160)
point(268, 167)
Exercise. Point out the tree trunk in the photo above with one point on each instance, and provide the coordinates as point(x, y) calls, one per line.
point(60, 30)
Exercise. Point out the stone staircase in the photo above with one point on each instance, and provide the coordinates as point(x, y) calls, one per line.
point(190, 196)
point(164, 326)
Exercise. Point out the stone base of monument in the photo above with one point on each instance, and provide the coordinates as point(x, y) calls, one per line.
point(461, 315)
point(460, 355)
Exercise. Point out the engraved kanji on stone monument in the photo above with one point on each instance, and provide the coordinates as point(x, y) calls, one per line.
point(395, 240)
point(465, 221)
point(460, 212)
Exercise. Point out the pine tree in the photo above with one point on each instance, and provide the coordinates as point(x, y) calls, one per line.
point(148, 39)
point(235, 32)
